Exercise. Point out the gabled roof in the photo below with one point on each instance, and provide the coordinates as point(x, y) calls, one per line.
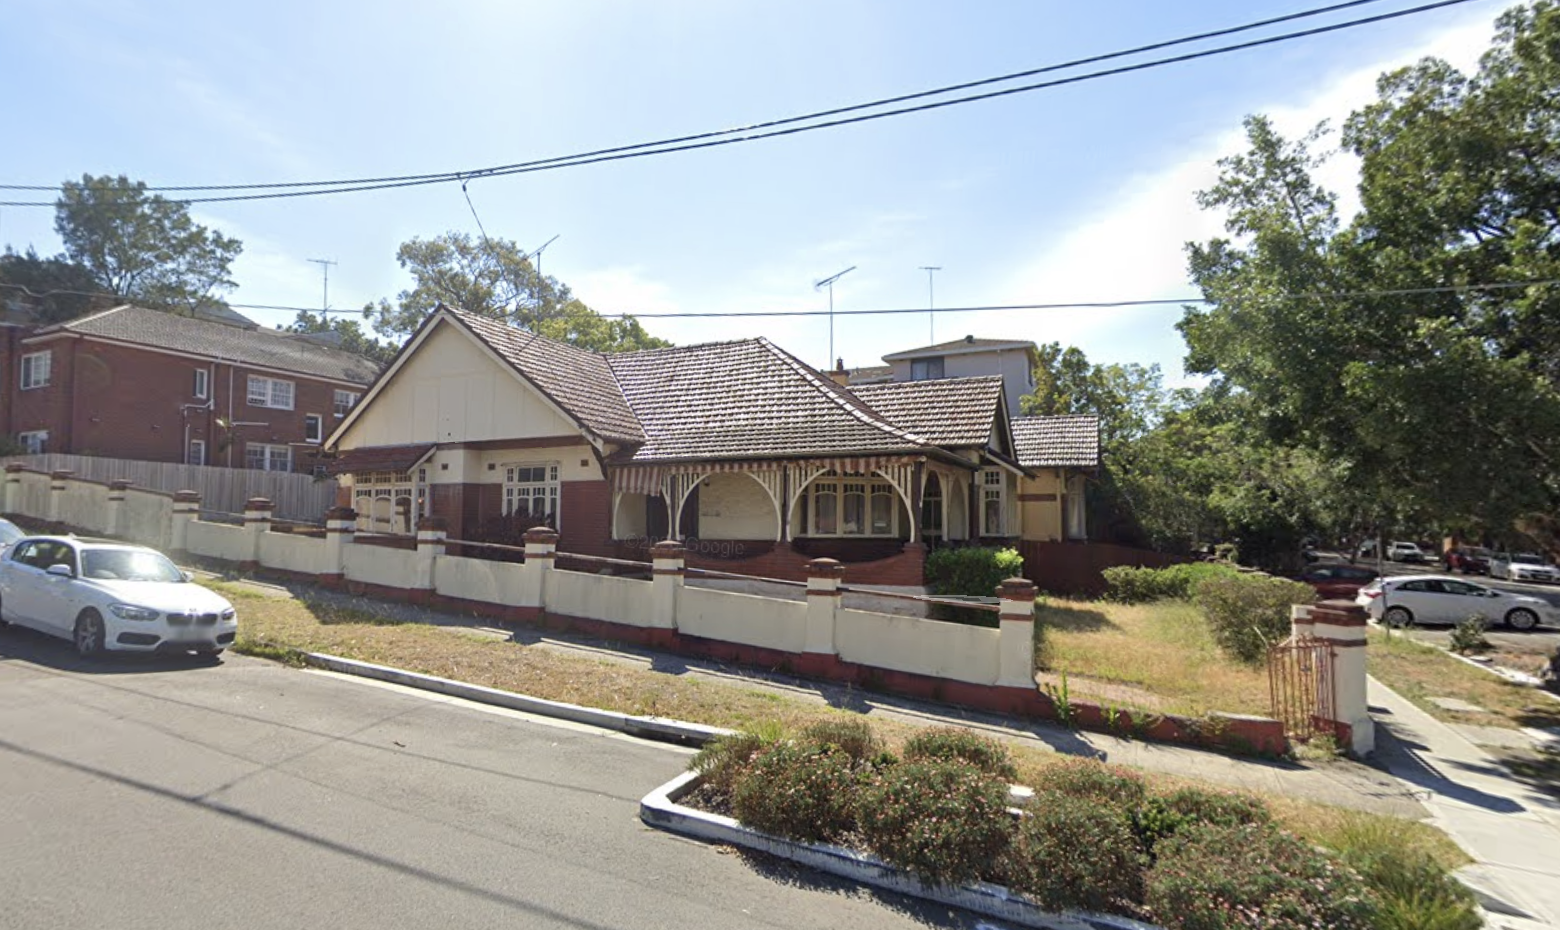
point(953, 412)
point(261, 348)
point(1057, 442)
point(399, 459)
point(967, 344)
point(745, 399)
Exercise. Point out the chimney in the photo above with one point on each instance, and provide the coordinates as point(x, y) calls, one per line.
point(839, 375)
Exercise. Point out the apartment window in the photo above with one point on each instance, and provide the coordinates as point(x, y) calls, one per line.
point(851, 506)
point(313, 427)
point(270, 392)
point(926, 369)
point(345, 401)
point(993, 502)
point(264, 456)
point(36, 367)
point(34, 441)
point(197, 452)
point(531, 491)
point(202, 387)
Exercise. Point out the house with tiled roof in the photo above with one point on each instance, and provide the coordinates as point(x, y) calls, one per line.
point(133, 383)
point(1014, 360)
point(758, 460)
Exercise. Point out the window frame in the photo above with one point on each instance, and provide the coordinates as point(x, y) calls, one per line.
point(201, 389)
point(270, 448)
point(931, 368)
point(393, 487)
point(319, 428)
point(27, 370)
point(189, 457)
point(25, 438)
point(516, 486)
point(337, 408)
point(270, 398)
point(994, 490)
point(836, 489)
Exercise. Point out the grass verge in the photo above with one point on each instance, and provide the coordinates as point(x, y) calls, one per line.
point(1420, 672)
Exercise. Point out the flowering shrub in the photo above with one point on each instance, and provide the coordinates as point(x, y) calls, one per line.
point(954, 744)
point(797, 791)
point(722, 760)
point(853, 737)
point(1164, 815)
point(1071, 853)
point(946, 822)
point(1253, 877)
point(1094, 781)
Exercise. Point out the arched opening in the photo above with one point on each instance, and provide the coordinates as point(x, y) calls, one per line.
point(851, 517)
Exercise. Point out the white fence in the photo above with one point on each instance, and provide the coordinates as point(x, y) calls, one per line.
point(222, 490)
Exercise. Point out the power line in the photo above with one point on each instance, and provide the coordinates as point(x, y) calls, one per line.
point(1063, 305)
point(747, 134)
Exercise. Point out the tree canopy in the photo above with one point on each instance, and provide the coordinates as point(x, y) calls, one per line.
point(58, 287)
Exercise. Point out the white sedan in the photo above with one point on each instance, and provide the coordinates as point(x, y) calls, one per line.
point(104, 595)
point(1523, 566)
point(1405, 599)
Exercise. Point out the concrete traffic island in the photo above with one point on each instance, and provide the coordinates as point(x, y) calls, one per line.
point(661, 809)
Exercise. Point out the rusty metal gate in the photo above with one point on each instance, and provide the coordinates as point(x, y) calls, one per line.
point(1300, 678)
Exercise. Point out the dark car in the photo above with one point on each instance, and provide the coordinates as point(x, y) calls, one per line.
point(1470, 560)
point(1341, 581)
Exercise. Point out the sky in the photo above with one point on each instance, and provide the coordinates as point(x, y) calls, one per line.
point(1078, 193)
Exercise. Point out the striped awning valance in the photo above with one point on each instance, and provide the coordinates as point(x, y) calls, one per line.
point(651, 479)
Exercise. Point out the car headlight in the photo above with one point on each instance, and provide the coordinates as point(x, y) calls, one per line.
point(132, 612)
point(229, 614)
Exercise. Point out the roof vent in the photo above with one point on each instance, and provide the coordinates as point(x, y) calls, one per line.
point(970, 339)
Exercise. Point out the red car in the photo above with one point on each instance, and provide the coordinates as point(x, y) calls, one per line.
point(1338, 581)
point(1470, 560)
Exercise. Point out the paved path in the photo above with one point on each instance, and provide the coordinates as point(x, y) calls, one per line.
point(1340, 783)
point(167, 794)
point(1512, 830)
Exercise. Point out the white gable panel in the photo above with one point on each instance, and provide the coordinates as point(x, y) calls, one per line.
point(452, 390)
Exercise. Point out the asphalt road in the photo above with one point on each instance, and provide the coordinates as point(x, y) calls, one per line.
point(169, 794)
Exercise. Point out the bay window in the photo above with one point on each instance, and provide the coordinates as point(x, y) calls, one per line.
point(854, 506)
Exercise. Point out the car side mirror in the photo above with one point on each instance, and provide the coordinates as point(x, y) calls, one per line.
point(188, 576)
point(60, 569)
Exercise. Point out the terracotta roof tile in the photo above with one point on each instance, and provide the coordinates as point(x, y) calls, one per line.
point(953, 412)
point(1057, 442)
point(399, 459)
point(265, 348)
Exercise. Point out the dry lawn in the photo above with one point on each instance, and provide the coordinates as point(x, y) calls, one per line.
point(1159, 657)
point(275, 627)
point(1420, 672)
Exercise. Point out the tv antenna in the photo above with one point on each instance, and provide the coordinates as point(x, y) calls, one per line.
point(324, 264)
point(829, 283)
point(931, 303)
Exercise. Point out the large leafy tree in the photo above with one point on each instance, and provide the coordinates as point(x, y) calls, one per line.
point(494, 277)
point(58, 288)
point(343, 333)
point(1126, 398)
point(141, 246)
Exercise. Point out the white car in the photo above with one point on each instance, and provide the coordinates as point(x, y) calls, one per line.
point(1523, 566)
point(104, 595)
point(1405, 552)
point(1405, 599)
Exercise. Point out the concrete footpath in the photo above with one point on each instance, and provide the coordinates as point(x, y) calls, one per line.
point(1512, 831)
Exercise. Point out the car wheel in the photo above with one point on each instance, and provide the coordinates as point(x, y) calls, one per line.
point(1398, 617)
point(1521, 619)
point(89, 634)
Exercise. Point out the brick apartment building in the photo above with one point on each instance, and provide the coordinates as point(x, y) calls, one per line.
point(139, 384)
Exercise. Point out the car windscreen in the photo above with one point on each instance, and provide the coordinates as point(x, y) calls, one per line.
point(128, 565)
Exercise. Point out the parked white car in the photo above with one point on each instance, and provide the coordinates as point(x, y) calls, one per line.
point(1405, 552)
point(105, 595)
point(1522, 566)
point(1406, 599)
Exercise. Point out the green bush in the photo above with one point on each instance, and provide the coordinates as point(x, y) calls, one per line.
point(1094, 781)
point(800, 792)
point(1249, 613)
point(954, 744)
point(1468, 635)
point(1415, 892)
point(854, 737)
point(1073, 854)
point(1253, 876)
point(947, 823)
point(1129, 585)
point(971, 571)
point(721, 761)
point(1161, 816)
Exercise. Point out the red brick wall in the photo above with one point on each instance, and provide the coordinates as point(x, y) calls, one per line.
point(1075, 567)
point(586, 518)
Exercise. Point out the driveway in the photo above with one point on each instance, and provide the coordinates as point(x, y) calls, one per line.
point(158, 793)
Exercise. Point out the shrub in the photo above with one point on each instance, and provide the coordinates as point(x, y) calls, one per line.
point(971, 571)
point(1415, 891)
point(946, 822)
point(800, 792)
point(1221, 878)
point(953, 744)
point(1468, 635)
point(1165, 815)
point(722, 760)
point(1089, 780)
point(1249, 613)
point(1072, 854)
point(1130, 585)
point(854, 737)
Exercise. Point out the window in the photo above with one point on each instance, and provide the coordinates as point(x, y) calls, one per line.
point(388, 502)
point(197, 452)
point(855, 506)
point(263, 456)
point(926, 369)
point(1075, 518)
point(993, 502)
point(932, 507)
point(36, 368)
point(202, 383)
point(34, 441)
point(313, 427)
point(531, 492)
point(345, 401)
point(270, 392)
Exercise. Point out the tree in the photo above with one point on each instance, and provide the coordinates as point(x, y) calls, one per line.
point(1126, 398)
point(141, 246)
point(495, 278)
point(57, 287)
point(344, 333)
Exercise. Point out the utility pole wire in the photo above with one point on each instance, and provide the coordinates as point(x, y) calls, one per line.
point(734, 136)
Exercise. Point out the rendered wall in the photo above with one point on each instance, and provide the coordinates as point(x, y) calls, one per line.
point(734, 506)
point(742, 618)
point(481, 580)
point(291, 553)
point(926, 647)
point(145, 517)
point(219, 541)
point(379, 565)
point(599, 597)
point(84, 505)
